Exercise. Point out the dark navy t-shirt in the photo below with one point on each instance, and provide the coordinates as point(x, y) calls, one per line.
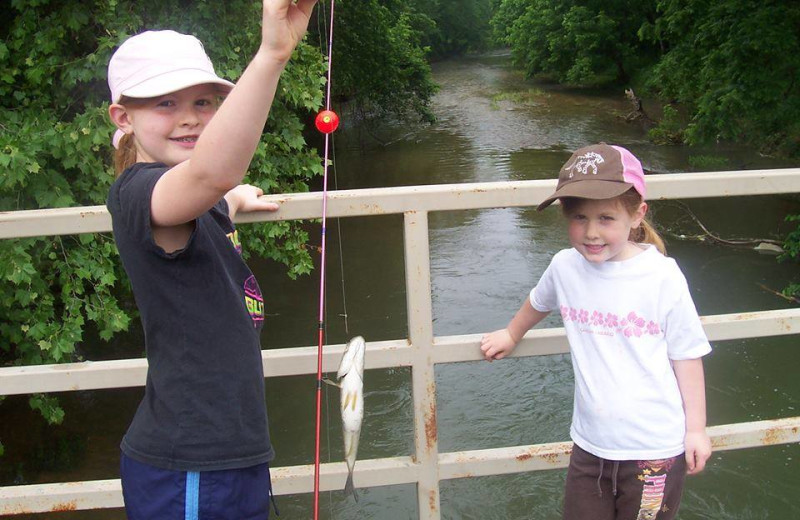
point(202, 313)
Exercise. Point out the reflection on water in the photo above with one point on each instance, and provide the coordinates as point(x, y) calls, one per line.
point(493, 126)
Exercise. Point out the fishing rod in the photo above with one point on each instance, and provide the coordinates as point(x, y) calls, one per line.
point(326, 122)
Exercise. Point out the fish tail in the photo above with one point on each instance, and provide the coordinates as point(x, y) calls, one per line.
point(349, 487)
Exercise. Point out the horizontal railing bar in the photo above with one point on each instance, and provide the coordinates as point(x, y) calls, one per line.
point(542, 342)
point(768, 432)
point(288, 480)
point(518, 459)
point(501, 461)
point(57, 221)
point(292, 480)
point(428, 198)
point(124, 373)
point(721, 327)
point(60, 497)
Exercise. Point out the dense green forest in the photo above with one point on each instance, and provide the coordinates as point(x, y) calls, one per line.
point(725, 70)
point(383, 49)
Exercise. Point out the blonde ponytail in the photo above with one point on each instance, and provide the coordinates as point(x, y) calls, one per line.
point(647, 234)
point(125, 155)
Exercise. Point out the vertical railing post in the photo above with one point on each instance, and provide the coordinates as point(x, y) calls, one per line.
point(420, 333)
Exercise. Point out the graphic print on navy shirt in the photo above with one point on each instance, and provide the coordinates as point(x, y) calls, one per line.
point(253, 299)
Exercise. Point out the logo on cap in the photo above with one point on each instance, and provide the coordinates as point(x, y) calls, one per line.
point(583, 163)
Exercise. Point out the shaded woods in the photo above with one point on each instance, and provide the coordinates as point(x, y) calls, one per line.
point(727, 69)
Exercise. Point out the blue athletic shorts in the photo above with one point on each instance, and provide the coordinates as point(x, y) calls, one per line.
point(153, 493)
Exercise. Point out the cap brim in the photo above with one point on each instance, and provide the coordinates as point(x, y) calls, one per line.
point(587, 189)
point(174, 81)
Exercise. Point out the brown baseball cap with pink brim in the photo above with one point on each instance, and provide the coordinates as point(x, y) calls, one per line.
point(598, 171)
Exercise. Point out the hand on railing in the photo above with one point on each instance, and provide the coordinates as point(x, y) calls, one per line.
point(497, 345)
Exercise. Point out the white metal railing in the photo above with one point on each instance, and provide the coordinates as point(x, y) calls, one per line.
point(421, 350)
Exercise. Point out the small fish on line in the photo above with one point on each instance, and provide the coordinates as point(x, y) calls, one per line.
point(351, 384)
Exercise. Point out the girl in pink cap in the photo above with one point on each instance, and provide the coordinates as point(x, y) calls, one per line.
point(636, 343)
point(198, 445)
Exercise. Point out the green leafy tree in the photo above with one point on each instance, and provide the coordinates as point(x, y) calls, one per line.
point(732, 65)
point(791, 248)
point(504, 14)
point(458, 27)
point(380, 65)
point(590, 42)
point(735, 64)
point(55, 151)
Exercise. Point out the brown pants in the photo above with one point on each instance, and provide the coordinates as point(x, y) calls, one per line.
point(599, 489)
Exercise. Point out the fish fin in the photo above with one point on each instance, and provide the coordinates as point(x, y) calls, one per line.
point(353, 404)
point(349, 487)
point(347, 397)
point(331, 382)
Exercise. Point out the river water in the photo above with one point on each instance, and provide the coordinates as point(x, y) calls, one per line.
point(492, 126)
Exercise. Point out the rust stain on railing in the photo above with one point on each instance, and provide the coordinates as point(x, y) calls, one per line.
point(431, 430)
point(722, 441)
point(785, 325)
point(66, 506)
point(433, 503)
point(778, 435)
point(544, 453)
point(72, 505)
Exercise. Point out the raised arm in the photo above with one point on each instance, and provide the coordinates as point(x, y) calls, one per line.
point(226, 146)
point(691, 382)
point(500, 343)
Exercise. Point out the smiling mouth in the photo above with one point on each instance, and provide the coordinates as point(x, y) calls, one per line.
point(594, 247)
point(192, 139)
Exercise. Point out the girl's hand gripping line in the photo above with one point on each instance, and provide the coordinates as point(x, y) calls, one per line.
point(500, 343)
point(284, 24)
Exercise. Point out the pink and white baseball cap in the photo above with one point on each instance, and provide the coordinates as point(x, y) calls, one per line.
point(155, 63)
point(599, 171)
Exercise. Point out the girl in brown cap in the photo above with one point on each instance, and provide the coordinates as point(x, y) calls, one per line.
point(636, 342)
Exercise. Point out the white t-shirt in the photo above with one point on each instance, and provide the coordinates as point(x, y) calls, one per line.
point(624, 321)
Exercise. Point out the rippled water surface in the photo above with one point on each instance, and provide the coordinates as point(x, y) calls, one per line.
point(492, 126)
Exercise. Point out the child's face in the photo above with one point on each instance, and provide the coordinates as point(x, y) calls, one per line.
point(599, 229)
point(166, 128)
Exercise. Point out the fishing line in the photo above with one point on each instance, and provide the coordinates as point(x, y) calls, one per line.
point(341, 247)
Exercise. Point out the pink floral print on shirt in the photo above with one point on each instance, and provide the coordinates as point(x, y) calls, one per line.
point(631, 325)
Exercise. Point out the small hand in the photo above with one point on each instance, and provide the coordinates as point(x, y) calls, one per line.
point(497, 344)
point(698, 451)
point(283, 25)
point(245, 197)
